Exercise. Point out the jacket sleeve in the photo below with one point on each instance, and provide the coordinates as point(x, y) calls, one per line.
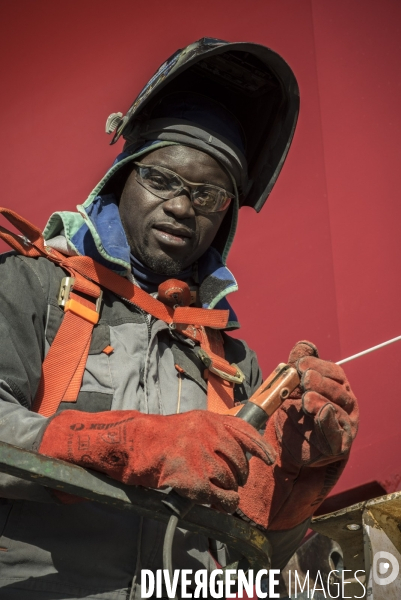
point(23, 309)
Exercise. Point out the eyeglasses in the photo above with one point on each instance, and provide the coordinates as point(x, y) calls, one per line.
point(166, 184)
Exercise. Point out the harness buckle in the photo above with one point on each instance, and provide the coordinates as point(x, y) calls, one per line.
point(66, 286)
point(208, 362)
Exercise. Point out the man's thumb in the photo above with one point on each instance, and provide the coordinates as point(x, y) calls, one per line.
point(301, 349)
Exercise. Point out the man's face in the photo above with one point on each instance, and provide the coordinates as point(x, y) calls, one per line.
point(170, 235)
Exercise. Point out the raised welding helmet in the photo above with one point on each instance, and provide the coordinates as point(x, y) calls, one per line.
point(254, 97)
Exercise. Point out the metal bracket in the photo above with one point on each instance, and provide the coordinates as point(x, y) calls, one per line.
point(368, 532)
point(67, 283)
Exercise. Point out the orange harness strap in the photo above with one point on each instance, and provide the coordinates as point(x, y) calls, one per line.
point(64, 365)
point(220, 392)
point(70, 347)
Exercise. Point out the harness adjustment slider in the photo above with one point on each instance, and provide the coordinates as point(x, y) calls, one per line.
point(66, 287)
point(238, 377)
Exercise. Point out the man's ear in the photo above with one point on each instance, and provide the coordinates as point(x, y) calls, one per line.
point(223, 232)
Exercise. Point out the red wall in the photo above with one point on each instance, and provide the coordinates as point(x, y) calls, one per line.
point(322, 259)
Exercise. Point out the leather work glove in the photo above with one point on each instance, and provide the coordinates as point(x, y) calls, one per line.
point(202, 455)
point(312, 433)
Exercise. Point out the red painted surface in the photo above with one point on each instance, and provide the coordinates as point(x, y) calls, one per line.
point(322, 260)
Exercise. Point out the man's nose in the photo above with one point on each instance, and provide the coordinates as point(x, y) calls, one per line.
point(180, 206)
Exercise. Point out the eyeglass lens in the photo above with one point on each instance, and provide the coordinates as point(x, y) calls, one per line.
point(166, 184)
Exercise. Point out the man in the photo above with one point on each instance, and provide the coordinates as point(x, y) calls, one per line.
point(167, 208)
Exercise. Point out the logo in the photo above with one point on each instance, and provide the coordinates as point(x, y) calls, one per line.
point(77, 426)
point(385, 564)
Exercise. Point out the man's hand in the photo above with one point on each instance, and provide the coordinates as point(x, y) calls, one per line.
point(323, 409)
point(312, 433)
point(201, 455)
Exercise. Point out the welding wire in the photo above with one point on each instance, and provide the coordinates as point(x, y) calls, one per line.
point(168, 548)
point(345, 360)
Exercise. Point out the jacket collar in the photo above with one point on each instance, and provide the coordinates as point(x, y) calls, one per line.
point(96, 231)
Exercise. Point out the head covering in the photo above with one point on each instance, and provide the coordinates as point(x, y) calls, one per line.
point(251, 82)
point(197, 121)
point(236, 101)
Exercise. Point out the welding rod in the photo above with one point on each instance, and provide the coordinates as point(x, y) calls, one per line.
point(345, 360)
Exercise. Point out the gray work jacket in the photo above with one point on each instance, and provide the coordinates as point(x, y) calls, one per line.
point(54, 551)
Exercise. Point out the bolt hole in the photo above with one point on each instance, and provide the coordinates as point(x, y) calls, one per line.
point(336, 562)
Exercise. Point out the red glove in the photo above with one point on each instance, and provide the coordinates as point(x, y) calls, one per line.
point(312, 433)
point(200, 454)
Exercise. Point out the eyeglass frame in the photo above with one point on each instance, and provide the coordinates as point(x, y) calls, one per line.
point(190, 184)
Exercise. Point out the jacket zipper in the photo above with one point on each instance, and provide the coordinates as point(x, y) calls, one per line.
point(146, 316)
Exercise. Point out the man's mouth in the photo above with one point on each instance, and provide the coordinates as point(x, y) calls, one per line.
point(172, 234)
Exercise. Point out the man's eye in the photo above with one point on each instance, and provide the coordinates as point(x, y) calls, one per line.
point(206, 197)
point(157, 180)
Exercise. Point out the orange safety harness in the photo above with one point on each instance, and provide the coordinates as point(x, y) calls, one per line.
point(64, 365)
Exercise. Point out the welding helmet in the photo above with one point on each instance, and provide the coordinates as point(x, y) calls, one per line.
point(253, 83)
point(237, 101)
